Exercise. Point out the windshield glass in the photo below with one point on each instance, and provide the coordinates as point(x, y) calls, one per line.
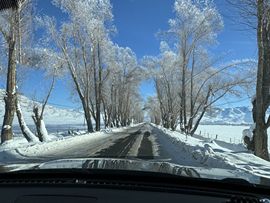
point(154, 85)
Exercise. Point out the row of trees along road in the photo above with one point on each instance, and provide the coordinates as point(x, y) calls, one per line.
point(202, 81)
point(188, 80)
point(105, 76)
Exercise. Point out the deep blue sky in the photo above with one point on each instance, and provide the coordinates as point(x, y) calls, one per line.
point(137, 22)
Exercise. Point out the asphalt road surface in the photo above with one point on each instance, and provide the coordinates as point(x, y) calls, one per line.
point(139, 142)
point(121, 148)
point(143, 142)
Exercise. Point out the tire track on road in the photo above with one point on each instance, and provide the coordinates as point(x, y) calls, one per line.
point(146, 148)
point(120, 148)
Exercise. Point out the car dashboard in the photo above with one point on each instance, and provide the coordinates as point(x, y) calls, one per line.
point(121, 186)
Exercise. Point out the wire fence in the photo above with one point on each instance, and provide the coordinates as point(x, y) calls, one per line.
point(216, 136)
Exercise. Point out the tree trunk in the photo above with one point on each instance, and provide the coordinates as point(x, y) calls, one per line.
point(260, 142)
point(197, 122)
point(192, 132)
point(29, 136)
point(42, 133)
point(87, 116)
point(89, 122)
point(191, 116)
point(98, 93)
point(38, 117)
point(260, 132)
point(105, 112)
point(84, 98)
point(10, 97)
point(183, 94)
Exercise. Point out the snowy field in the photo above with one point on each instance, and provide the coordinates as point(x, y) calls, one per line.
point(227, 133)
point(215, 154)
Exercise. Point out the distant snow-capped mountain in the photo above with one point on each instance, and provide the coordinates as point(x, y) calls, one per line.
point(52, 115)
point(230, 116)
point(57, 116)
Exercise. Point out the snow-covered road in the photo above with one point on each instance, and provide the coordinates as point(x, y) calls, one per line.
point(141, 142)
point(133, 142)
point(85, 146)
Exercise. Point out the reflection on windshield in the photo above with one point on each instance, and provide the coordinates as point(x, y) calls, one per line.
point(175, 88)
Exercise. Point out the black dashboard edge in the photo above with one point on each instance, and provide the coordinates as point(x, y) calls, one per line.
point(134, 180)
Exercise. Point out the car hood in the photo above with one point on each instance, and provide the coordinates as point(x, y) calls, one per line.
point(158, 166)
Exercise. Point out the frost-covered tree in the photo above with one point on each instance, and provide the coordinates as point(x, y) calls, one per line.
point(19, 58)
point(153, 109)
point(256, 15)
point(188, 79)
point(27, 133)
point(8, 28)
point(196, 24)
point(51, 63)
point(83, 41)
point(121, 100)
point(105, 77)
point(13, 27)
point(164, 71)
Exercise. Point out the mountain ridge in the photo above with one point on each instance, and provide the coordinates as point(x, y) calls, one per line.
point(241, 115)
point(52, 115)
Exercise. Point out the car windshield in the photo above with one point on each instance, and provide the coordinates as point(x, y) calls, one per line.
point(170, 86)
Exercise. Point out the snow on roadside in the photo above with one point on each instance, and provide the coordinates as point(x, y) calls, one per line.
point(60, 145)
point(228, 133)
point(197, 152)
point(219, 154)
